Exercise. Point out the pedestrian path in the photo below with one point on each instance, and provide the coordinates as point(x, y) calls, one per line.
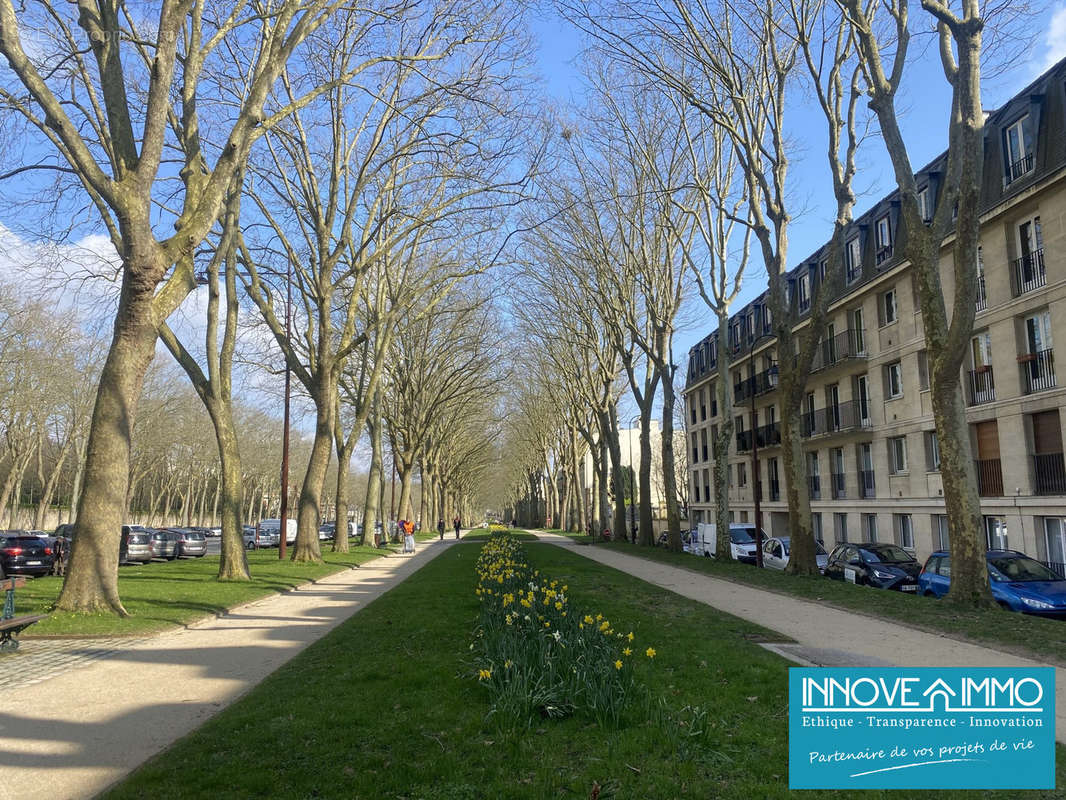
point(82, 730)
point(824, 636)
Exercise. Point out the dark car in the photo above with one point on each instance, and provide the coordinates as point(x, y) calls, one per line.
point(883, 566)
point(192, 543)
point(164, 544)
point(1018, 582)
point(22, 554)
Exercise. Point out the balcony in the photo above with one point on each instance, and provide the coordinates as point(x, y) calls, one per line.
point(766, 436)
point(762, 383)
point(982, 386)
point(1049, 474)
point(1027, 273)
point(849, 416)
point(1017, 169)
point(883, 254)
point(814, 486)
point(1038, 371)
point(982, 294)
point(845, 345)
point(836, 485)
point(989, 477)
point(866, 483)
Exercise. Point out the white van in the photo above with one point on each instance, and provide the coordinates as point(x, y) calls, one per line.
point(741, 540)
point(274, 526)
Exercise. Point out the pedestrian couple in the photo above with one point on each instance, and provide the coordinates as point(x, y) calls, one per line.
point(457, 523)
point(408, 529)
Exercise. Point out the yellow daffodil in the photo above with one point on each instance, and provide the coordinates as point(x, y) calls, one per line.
point(630, 636)
point(617, 664)
point(627, 652)
point(484, 674)
point(650, 652)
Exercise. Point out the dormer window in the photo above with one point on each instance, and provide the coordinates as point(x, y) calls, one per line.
point(804, 292)
point(823, 268)
point(853, 259)
point(1018, 140)
point(925, 204)
point(883, 231)
point(768, 317)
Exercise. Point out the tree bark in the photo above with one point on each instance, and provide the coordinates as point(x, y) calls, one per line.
point(91, 582)
point(307, 547)
point(673, 516)
point(374, 482)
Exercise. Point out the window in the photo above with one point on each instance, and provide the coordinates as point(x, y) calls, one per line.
point(925, 204)
point(887, 308)
point(703, 406)
point(696, 487)
point(742, 474)
point(897, 454)
point(853, 259)
point(903, 530)
point(703, 442)
point(869, 528)
point(1055, 540)
point(823, 269)
point(816, 526)
point(940, 532)
point(707, 485)
point(768, 317)
point(750, 324)
point(932, 452)
point(883, 232)
point(712, 348)
point(840, 528)
point(923, 370)
point(982, 295)
point(804, 292)
point(981, 350)
point(1028, 271)
point(1019, 147)
point(996, 533)
point(692, 408)
point(814, 480)
point(858, 334)
point(893, 381)
point(862, 394)
point(739, 424)
point(695, 450)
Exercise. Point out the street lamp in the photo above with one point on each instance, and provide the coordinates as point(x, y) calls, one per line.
point(632, 480)
point(757, 483)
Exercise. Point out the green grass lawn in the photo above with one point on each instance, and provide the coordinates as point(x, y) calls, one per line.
point(165, 594)
point(1037, 637)
point(385, 706)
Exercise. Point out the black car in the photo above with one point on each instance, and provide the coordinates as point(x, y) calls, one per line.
point(883, 566)
point(21, 554)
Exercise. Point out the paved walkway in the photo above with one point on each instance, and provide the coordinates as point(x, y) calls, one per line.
point(80, 731)
point(857, 639)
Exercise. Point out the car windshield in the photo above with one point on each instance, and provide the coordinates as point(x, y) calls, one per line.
point(886, 554)
point(742, 535)
point(196, 537)
point(24, 540)
point(821, 549)
point(1019, 569)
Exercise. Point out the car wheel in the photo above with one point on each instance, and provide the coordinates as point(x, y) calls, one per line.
point(928, 593)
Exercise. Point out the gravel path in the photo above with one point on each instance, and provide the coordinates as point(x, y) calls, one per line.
point(106, 706)
point(823, 636)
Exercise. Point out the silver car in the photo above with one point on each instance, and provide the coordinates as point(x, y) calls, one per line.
point(775, 553)
point(265, 538)
point(191, 544)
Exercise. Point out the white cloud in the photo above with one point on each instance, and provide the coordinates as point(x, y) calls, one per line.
point(1055, 39)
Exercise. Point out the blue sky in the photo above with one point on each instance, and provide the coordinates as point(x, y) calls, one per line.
point(924, 96)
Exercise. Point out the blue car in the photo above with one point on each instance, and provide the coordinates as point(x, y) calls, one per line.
point(1018, 582)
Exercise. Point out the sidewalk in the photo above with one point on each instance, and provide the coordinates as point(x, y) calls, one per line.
point(824, 636)
point(77, 733)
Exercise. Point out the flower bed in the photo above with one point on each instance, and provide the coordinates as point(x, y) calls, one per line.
point(538, 655)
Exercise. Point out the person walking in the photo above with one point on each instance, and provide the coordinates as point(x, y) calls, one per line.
point(440, 528)
point(458, 523)
point(408, 536)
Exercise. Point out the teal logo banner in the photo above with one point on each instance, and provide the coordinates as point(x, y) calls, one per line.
point(921, 728)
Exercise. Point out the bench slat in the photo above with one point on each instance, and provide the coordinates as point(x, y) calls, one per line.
point(16, 622)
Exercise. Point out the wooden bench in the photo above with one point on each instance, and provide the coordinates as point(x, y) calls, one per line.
point(10, 625)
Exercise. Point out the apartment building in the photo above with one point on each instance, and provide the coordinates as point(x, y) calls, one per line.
point(872, 452)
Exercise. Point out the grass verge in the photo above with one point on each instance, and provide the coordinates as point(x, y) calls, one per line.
point(1036, 637)
point(163, 595)
point(385, 706)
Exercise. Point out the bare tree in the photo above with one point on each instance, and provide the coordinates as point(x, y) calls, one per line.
point(960, 40)
point(100, 94)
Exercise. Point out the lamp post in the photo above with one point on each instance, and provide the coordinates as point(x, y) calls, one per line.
point(756, 482)
point(632, 480)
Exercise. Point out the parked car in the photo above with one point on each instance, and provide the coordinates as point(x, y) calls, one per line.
point(883, 566)
point(164, 544)
point(1018, 582)
point(215, 532)
point(664, 539)
point(325, 531)
point(264, 538)
point(135, 545)
point(741, 541)
point(64, 531)
point(22, 554)
point(274, 526)
point(191, 543)
point(776, 553)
